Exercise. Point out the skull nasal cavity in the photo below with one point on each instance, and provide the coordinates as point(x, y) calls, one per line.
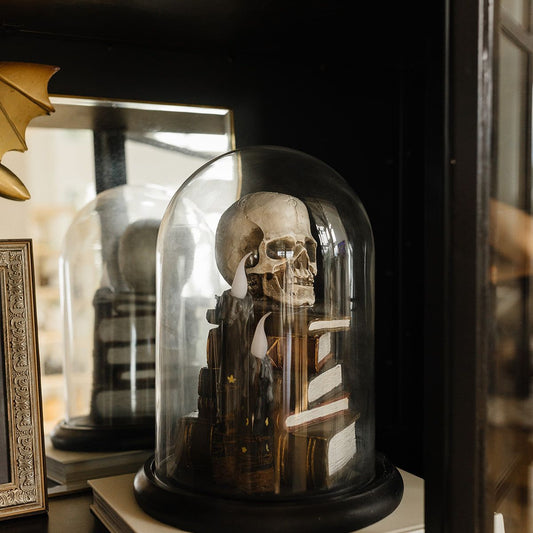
point(301, 260)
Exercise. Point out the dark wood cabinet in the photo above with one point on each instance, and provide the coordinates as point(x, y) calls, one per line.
point(397, 98)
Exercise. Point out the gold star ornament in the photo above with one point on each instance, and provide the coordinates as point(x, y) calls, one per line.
point(23, 96)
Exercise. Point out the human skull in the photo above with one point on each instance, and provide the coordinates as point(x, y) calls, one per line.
point(275, 228)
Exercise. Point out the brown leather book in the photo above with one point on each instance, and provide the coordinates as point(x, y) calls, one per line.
point(325, 451)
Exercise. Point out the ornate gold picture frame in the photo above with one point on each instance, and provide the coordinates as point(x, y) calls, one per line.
point(22, 465)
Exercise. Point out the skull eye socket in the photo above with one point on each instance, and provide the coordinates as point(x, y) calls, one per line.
point(310, 247)
point(280, 249)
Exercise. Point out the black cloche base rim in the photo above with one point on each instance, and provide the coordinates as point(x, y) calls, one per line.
point(89, 438)
point(341, 512)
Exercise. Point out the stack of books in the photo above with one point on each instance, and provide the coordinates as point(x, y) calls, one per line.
point(115, 506)
point(316, 440)
point(70, 470)
point(309, 442)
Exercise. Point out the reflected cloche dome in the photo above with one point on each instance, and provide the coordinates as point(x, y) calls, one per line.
point(108, 295)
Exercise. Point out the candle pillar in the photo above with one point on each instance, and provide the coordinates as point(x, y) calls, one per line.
point(256, 464)
point(234, 316)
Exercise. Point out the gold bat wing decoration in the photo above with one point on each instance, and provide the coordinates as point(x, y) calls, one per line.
point(23, 96)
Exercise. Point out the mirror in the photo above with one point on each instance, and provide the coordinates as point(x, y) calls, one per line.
point(87, 146)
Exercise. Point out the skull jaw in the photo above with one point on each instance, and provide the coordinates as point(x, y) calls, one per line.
point(292, 294)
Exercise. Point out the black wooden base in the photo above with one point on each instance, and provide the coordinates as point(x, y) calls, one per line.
point(341, 511)
point(84, 437)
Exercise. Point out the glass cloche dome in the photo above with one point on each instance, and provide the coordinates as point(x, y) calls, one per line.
point(265, 352)
point(107, 270)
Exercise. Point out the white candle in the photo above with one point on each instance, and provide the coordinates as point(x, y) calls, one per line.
point(239, 287)
point(259, 342)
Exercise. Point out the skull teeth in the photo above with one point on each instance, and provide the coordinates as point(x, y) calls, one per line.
point(303, 276)
point(299, 277)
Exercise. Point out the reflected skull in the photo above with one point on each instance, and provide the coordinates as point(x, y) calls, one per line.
point(275, 228)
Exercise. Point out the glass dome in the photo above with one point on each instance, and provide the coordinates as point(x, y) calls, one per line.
point(107, 270)
point(265, 344)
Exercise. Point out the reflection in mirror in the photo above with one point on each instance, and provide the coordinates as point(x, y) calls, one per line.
point(85, 147)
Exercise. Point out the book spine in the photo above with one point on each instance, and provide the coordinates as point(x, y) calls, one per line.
point(303, 453)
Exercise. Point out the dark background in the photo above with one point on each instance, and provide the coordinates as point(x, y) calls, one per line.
point(350, 84)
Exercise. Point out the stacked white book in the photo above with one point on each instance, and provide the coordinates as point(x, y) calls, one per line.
point(115, 506)
point(71, 469)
